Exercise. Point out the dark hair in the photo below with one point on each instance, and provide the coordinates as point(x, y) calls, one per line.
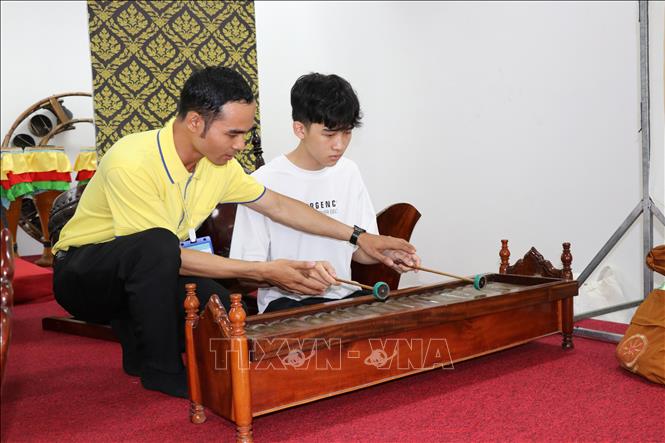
point(326, 99)
point(210, 88)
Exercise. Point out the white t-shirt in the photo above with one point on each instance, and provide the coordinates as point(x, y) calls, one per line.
point(336, 191)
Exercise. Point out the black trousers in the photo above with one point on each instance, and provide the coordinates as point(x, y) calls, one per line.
point(288, 303)
point(134, 278)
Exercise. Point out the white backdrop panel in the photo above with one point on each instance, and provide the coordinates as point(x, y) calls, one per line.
point(496, 120)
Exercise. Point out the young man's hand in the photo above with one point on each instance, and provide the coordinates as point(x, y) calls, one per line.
point(402, 262)
point(299, 277)
point(386, 250)
point(324, 272)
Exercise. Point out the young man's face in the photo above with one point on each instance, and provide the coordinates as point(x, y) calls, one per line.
point(324, 146)
point(226, 134)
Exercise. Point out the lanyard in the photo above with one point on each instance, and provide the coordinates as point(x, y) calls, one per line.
point(185, 212)
point(181, 193)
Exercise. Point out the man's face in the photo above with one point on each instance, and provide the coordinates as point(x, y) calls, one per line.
point(323, 145)
point(226, 134)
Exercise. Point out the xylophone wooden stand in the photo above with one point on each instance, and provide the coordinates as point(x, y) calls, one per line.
point(241, 367)
point(533, 263)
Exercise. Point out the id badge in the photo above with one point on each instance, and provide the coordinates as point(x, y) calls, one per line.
point(203, 244)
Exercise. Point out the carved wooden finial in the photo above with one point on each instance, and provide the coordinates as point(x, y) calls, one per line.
point(6, 269)
point(256, 150)
point(191, 302)
point(566, 260)
point(505, 256)
point(237, 316)
point(196, 411)
point(7, 255)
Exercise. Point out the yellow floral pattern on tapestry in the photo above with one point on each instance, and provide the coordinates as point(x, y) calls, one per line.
point(143, 51)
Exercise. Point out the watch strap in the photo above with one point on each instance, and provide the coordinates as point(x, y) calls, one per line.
point(356, 233)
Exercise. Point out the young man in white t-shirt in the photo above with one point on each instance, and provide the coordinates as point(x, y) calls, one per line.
point(325, 110)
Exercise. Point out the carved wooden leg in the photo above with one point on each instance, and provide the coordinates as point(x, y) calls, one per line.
point(44, 204)
point(567, 303)
point(196, 412)
point(242, 397)
point(244, 434)
point(567, 323)
point(13, 214)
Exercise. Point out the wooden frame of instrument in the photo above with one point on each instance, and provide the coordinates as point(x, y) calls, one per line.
point(6, 297)
point(240, 377)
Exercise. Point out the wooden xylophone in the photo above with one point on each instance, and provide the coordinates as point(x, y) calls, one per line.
point(242, 367)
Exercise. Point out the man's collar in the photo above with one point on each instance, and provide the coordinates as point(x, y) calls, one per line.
point(173, 166)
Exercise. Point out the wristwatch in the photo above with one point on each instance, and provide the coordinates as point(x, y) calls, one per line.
point(356, 233)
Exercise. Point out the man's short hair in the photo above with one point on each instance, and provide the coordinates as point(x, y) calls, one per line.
point(210, 88)
point(326, 99)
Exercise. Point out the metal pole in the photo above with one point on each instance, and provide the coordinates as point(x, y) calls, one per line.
point(597, 335)
point(607, 310)
point(646, 206)
point(659, 215)
point(647, 226)
point(610, 243)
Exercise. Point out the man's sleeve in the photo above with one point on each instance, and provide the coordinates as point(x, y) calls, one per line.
point(135, 203)
point(251, 237)
point(241, 187)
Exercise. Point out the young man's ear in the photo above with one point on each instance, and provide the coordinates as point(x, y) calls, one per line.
point(299, 129)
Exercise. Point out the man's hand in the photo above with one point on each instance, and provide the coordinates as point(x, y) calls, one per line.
point(386, 250)
point(299, 277)
point(324, 272)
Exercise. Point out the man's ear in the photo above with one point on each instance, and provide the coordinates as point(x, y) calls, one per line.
point(194, 122)
point(299, 129)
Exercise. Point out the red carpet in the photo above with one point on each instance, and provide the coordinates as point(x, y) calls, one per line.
point(65, 388)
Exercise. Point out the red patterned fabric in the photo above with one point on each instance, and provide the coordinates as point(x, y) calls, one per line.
point(13, 179)
point(51, 176)
point(84, 175)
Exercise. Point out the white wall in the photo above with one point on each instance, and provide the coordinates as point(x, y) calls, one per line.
point(497, 120)
point(45, 51)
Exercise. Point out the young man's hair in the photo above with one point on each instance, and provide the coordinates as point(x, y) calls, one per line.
point(210, 88)
point(326, 99)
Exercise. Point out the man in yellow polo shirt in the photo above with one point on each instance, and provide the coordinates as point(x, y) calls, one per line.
point(120, 259)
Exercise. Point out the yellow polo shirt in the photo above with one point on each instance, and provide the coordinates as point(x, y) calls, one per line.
point(141, 183)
